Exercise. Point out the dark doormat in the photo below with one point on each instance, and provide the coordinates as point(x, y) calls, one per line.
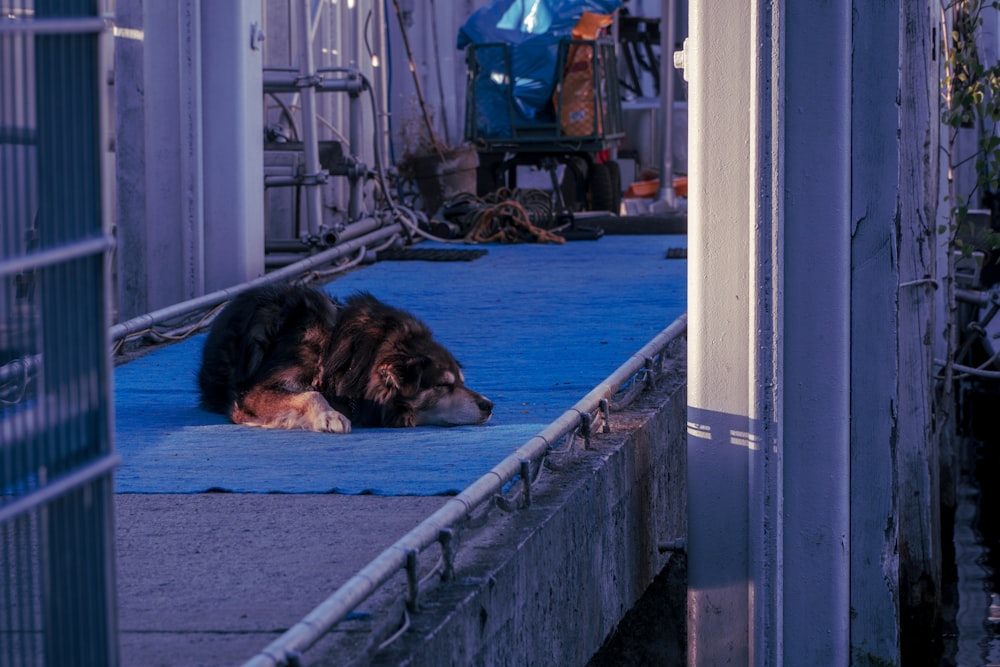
point(430, 254)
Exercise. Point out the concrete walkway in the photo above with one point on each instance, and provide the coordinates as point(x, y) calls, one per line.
point(213, 578)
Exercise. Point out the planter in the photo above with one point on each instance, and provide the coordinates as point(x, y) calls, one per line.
point(439, 180)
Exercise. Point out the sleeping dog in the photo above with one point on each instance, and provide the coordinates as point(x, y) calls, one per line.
point(291, 357)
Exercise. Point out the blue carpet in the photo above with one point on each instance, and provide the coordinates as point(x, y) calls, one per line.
point(535, 327)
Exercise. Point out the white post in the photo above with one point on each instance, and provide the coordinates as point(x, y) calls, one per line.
point(160, 161)
point(769, 344)
point(232, 90)
point(668, 19)
point(192, 201)
point(720, 198)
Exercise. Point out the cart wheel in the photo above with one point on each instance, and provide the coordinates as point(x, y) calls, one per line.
point(605, 185)
point(574, 183)
point(489, 173)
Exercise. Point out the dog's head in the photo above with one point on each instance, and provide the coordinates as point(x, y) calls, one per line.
point(387, 365)
point(426, 389)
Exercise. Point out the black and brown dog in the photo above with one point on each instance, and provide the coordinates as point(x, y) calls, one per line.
point(290, 357)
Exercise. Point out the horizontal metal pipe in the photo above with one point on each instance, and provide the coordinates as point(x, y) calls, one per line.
point(978, 372)
point(358, 228)
point(18, 136)
point(287, 245)
point(283, 181)
point(977, 297)
point(56, 26)
point(215, 298)
point(356, 590)
point(59, 486)
point(275, 260)
point(296, 247)
point(282, 81)
point(57, 255)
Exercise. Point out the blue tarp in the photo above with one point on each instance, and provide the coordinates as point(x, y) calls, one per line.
point(531, 30)
point(536, 327)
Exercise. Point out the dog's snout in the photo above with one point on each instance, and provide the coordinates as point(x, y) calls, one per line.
point(485, 404)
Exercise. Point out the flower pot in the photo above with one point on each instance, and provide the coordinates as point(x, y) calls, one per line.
point(438, 180)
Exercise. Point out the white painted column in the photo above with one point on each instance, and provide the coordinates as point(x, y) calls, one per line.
point(232, 91)
point(719, 70)
point(189, 150)
point(165, 266)
point(769, 313)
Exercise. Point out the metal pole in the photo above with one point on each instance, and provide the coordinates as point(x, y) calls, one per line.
point(190, 145)
point(310, 134)
point(355, 134)
point(815, 317)
point(668, 18)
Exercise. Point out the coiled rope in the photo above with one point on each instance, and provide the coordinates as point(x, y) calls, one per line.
point(510, 216)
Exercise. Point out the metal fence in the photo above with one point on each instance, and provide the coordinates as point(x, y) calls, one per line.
point(57, 592)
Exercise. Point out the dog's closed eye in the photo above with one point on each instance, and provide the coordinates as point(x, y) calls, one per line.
point(446, 381)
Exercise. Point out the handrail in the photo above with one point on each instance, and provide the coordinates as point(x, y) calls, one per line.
point(68, 25)
point(143, 322)
point(303, 635)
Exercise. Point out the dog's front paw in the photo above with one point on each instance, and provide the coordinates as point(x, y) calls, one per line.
point(317, 415)
point(330, 421)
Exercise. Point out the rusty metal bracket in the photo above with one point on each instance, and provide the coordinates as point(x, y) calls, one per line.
point(413, 586)
point(446, 537)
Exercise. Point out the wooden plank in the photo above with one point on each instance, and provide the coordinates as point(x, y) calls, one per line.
point(917, 456)
point(874, 366)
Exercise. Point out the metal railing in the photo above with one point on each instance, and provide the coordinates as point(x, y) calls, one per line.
point(57, 588)
point(585, 416)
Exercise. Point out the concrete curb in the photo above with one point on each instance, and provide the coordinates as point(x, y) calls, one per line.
point(547, 584)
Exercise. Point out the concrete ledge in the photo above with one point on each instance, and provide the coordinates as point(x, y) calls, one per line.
point(547, 584)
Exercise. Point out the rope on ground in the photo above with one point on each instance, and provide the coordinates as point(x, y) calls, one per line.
point(510, 216)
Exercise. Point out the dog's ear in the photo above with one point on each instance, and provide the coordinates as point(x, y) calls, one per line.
point(390, 377)
point(400, 376)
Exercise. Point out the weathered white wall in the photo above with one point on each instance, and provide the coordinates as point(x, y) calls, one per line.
point(189, 175)
point(812, 185)
point(874, 287)
point(432, 27)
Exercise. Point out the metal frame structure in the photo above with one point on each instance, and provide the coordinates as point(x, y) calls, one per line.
point(320, 159)
point(57, 587)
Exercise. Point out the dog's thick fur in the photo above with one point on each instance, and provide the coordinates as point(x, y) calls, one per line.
point(292, 358)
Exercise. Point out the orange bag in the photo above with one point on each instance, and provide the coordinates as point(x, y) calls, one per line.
point(577, 116)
